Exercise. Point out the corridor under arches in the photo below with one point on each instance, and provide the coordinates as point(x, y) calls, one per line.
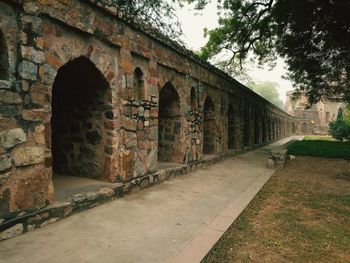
point(169, 125)
point(78, 105)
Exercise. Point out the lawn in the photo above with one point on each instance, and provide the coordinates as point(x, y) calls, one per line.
point(302, 214)
point(318, 138)
point(320, 148)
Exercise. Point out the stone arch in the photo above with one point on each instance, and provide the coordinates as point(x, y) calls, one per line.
point(256, 126)
point(169, 129)
point(304, 128)
point(294, 128)
point(4, 61)
point(139, 84)
point(209, 127)
point(79, 109)
point(264, 127)
point(231, 129)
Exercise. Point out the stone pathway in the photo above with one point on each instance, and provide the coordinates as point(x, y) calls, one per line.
point(176, 221)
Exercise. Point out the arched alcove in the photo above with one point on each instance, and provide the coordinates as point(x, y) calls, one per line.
point(169, 125)
point(256, 127)
point(247, 119)
point(231, 131)
point(139, 84)
point(209, 127)
point(193, 99)
point(304, 128)
point(4, 61)
point(79, 99)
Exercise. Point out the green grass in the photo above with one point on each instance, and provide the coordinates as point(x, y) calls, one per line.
point(318, 138)
point(319, 148)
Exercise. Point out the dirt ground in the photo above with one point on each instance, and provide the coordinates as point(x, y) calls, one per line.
point(302, 214)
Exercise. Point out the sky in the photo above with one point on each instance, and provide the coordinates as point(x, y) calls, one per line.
point(193, 23)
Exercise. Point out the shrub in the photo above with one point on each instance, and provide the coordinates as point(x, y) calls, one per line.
point(340, 129)
point(327, 149)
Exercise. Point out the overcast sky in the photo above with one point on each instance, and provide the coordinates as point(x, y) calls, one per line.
point(193, 25)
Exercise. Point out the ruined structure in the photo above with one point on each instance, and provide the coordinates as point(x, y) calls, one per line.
point(314, 119)
point(84, 93)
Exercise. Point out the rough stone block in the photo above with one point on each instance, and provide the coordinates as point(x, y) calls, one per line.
point(11, 138)
point(152, 160)
point(33, 55)
point(34, 115)
point(28, 70)
point(29, 155)
point(47, 74)
point(126, 164)
point(9, 97)
point(5, 162)
point(130, 139)
point(4, 84)
point(11, 232)
point(40, 94)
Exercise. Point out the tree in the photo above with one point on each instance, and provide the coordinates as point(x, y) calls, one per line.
point(313, 36)
point(156, 14)
point(268, 90)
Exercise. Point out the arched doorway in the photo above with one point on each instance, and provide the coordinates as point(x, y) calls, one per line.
point(304, 128)
point(209, 127)
point(247, 119)
point(169, 129)
point(231, 127)
point(139, 88)
point(294, 129)
point(256, 127)
point(79, 98)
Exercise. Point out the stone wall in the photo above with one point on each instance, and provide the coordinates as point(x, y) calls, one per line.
point(130, 98)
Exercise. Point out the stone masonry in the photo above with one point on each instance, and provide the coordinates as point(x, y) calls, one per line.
point(85, 93)
point(312, 119)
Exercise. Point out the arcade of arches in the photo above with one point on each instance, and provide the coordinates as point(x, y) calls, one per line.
point(80, 97)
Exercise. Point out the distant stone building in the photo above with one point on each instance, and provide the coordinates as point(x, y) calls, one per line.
point(313, 120)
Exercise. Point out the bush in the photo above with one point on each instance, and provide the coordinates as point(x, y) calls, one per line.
point(327, 149)
point(340, 129)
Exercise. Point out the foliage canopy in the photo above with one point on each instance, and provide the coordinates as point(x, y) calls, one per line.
point(268, 90)
point(312, 36)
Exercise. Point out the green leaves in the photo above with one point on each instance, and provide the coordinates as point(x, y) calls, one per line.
point(312, 36)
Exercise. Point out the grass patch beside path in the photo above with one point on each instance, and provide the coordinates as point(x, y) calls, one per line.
point(302, 214)
point(317, 148)
point(319, 138)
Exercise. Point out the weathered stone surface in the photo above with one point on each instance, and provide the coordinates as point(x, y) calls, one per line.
point(13, 137)
point(39, 134)
point(152, 164)
point(106, 191)
point(40, 94)
point(11, 232)
point(47, 74)
point(33, 55)
point(5, 162)
point(34, 115)
point(4, 84)
point(29, 155)
point(138, 170)
point(9, 97)
point(130, 139)
point(28, 70)
point(32, 188)
point(48, 222)
point(126, 164)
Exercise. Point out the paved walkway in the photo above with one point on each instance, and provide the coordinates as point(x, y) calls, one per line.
point(176, 221)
